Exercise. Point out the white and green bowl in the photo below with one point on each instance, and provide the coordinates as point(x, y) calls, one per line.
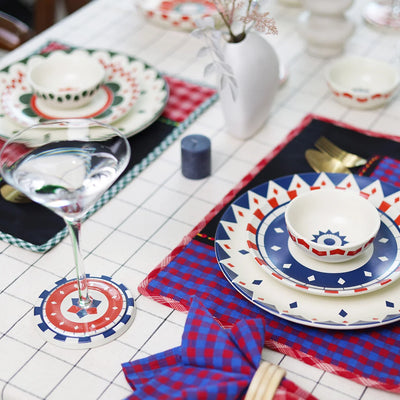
point(66, 81)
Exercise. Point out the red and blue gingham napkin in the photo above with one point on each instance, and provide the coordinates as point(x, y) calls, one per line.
point(211, 363)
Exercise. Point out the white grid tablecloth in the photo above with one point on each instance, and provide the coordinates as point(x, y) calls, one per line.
point(131, 234)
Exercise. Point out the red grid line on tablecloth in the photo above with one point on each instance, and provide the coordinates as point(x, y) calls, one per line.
point(272, 344)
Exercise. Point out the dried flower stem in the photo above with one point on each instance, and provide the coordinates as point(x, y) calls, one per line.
point(229, 11)
point(222, 11)
point(244, 12)
point(249, 4)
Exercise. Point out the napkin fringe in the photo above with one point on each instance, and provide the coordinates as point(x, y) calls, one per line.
point(334, 369)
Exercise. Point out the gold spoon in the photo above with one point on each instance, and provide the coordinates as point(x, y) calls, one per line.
point(322, 162)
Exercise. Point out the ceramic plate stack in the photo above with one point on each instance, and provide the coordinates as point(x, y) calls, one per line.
point(257, 257)
point(132, 97)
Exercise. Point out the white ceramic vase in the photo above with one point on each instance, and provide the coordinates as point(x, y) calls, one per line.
point(255, 68)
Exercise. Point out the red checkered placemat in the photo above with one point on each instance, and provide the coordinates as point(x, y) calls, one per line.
point(387, 169)
point(365, 356)
point(184, 99)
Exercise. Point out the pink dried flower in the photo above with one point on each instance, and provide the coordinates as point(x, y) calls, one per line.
point(262, 23)
point(243, 11)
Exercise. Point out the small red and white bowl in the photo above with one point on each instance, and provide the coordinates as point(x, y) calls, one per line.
point(66, 80)
point(332, 225)
point(362, 82)
point(177, 14)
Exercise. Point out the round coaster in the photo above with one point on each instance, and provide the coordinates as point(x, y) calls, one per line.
point(63, 322)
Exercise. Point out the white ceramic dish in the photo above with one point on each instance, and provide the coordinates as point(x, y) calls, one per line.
point(332, 225)
point(176, 14)
point(361, 82)
point(113, 100)
point(237, 263)
point(66, 80)
point(147, 108)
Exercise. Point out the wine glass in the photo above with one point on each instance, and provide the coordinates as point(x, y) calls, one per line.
point(66, 166)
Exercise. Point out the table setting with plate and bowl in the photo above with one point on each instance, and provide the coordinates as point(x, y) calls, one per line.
point(316, 253)
point(270, 269)
point(64, 155)
point(127, 94)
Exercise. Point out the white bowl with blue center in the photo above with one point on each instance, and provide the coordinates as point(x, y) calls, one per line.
point(332, 225)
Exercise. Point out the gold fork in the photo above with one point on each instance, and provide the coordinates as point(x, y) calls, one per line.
point(350, 160)
point(322, 162)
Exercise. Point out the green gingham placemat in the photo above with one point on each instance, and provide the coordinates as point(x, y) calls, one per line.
point(34, 227)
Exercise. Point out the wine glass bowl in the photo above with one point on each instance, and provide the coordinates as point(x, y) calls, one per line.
point(66, 166)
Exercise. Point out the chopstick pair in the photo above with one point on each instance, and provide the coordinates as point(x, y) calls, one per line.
point(265, 382)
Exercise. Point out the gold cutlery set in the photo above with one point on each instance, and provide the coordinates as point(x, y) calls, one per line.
point(331, 158)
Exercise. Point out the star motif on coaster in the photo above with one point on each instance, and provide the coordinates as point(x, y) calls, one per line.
point(82, 312)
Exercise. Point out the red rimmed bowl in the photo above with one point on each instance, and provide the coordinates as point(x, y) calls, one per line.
point(361, 82)
point(332, 225)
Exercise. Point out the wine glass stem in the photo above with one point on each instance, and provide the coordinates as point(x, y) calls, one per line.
point(74, 228)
